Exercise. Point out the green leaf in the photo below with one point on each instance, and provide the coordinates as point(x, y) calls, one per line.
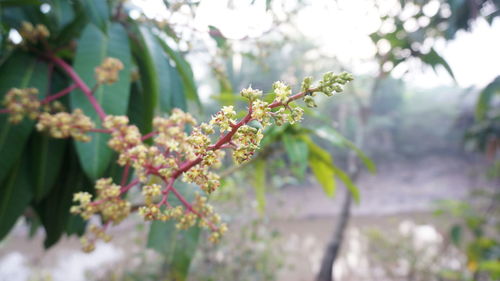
point(16, 195)
point(161, 68)
point(61, 12)
point(321, 165)
point(154, 74)
point(337, 139)
point(353, 189)
point(177, 247)
point(73, 29)
point(46, 155)
point(485, 98)
point(297, 153)
point(178, 97)
point(184, 70)
point(136, 108)
point(216, 34)
point(259, 184)
point(433, 59)
point(7, 3)
point(93, 47)
point(456, 234)
point(98, 11)
point(19, 71)
point(53, 210)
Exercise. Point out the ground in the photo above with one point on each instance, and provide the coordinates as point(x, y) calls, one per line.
point(401, 193)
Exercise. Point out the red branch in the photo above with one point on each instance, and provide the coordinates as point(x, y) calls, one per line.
point(129, 186)
point(59, 94)
point(125, 174)
point(104, 131)
point(80, 84)
point(148, 135)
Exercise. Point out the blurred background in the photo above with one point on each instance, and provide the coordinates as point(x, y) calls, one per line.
point(416, 134)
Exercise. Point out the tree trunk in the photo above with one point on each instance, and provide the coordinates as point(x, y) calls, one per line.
point(332, 250)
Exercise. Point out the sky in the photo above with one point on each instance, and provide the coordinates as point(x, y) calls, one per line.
point(341, 29)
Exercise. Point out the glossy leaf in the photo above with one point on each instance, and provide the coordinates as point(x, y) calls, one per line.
point(54, 209)
point(19, 71)
point(178, 97)
point(98, 11)
point(154, 75)
point(16, 195)
point(46, 155)
point(93, 47)
point(259, 184)
point(185, 72)
point(61, 12)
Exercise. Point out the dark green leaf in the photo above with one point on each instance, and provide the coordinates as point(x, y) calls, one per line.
point(19, 71)
point(16, 195)
point(184, 70)
point(456, 234)
point(154, 75)
point(93, 47)
point(46, 155)
point(136, 108)
point(178, 97)
point(73, 29)
point(61, 12)
point(54, 209)
point(434, 59)
point(161, 68)
point(98, 11)
point(7, 3)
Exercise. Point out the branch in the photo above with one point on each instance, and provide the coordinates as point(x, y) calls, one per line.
point(80, 84)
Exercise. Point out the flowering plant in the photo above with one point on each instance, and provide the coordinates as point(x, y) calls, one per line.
point(82, 126)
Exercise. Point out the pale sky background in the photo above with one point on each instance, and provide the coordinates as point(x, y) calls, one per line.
point(341, 29)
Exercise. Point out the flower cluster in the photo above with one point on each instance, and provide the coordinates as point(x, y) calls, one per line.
point(282, 91)
point(179, 149)
point(107, 72)
point(64, 125)
point(108, 202)
point(224, 119)
point(21, 102)
point(123, 136)
point(332, 83)
point(33, 34)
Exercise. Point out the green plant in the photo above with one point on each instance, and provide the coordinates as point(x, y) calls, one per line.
point(122, 71)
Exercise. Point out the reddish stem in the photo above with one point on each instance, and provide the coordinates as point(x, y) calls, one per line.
point(148, 135)
point(190, 207)
point(129, 186)
point(105, 131)
point(79, 82)
point(125, 174)
point(4, 111)
point(59, 94)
